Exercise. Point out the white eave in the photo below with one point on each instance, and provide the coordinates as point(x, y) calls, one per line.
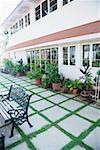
point(22, 8)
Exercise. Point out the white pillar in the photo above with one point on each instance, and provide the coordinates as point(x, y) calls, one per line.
point(79, 55)
point(48, 6)
point(59, 4)
point(60, 57)
point(90, 56)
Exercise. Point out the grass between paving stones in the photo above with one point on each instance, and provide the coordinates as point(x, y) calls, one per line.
point(75, 140)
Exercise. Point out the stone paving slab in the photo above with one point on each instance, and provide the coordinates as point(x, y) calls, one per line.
point(40, 105)
point(52, 139)
point(93, 139)
point(7, 130)
point(46, 94)
point(75, 125)
point(34, 98)
point(90, 113)
point(72, 105)
point(22, 146)
point(37, 121)
point(57, 98)
point(49, 135)
point(78, 148)
point(37, 90)
point(55, 113)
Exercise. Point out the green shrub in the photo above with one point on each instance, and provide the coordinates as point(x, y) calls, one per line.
point(8, 64)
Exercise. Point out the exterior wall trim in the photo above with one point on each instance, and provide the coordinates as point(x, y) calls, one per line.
point(90, 28)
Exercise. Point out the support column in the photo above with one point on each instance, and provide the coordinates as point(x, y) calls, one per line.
point(59, 4)
point(60, 57)
point(79, 55)
point(90, 55)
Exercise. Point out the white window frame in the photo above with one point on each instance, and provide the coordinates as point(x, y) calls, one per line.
point(69, 54)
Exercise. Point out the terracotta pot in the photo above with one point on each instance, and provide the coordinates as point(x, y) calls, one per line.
point(75, 91)
point(37, 81)
point(85, 93)
point(56, 86)
point(18, 74)
point(64, 90)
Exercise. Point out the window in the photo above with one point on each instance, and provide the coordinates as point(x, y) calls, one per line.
point(27, 20)
point(45, 56)
point(48, 56)
point(44, 8)
point(37, 12)
point(65, 55)
point(16, 27)
point(21, 24)
point(72, 55)
point(11, 31)
point(86, 51)
point(37, 58)
point(65, 2)
point(96, 55)
point(53, 5)
point(55, 55)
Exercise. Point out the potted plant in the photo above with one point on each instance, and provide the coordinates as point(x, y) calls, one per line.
point(98, 72)
point(30, 75)
point(19, 68)
point(8, 65)
point(52, 72)
point(26, 68)
point(75, 86)
point(46, 81)
point(56, 82)
point(65, 85)
point(87, 87)
point(37, 75)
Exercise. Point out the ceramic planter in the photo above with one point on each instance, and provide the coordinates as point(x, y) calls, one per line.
point(37, 81)
point(75, 91)
point(56, 86)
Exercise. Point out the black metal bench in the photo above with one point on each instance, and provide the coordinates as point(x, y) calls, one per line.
point(14, 107)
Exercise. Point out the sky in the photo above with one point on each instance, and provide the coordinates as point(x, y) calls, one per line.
point(6, 7)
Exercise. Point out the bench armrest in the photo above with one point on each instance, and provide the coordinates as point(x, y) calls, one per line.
point(16, 113)
point(3, 97)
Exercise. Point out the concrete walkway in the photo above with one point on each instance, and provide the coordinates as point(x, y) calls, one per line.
point(60, 121)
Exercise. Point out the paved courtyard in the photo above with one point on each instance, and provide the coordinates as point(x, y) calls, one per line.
point(60, 121)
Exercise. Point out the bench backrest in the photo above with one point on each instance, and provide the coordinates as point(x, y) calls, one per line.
point(18, 95)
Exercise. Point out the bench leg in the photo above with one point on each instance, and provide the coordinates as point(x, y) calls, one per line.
point(12, 130)
point(29, 122)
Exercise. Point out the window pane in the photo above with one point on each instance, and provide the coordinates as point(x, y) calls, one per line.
point(72, 55)
point(48, 56)
point(37, 12)
point(55, 55)
point(53, 5)
point(43, 58)
point(86, 51)
point(44, 8)
point(96, 55)
point(27, 20)
point(65, 2)
point(65, 55)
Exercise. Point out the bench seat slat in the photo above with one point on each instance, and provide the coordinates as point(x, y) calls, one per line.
point(5, 115)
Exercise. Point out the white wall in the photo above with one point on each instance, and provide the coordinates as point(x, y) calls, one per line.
point(73, 72)
point(75, 13)
point(16, 56)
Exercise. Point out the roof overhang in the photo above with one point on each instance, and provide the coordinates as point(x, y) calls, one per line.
point(22, 8)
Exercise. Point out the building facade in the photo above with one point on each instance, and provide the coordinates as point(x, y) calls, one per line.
point(65, 32)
